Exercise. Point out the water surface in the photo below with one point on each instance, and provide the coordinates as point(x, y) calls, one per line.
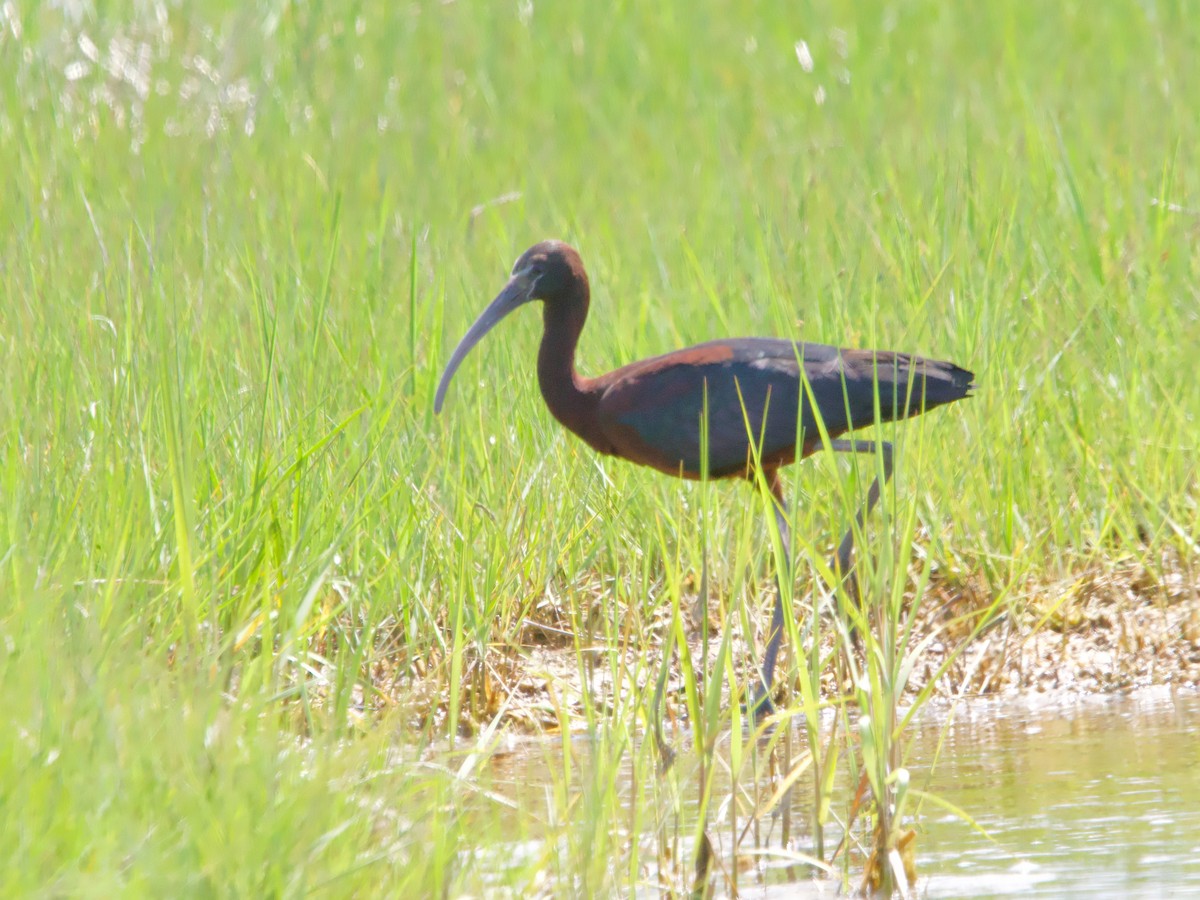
point(1093, 797)
point(1097, 798)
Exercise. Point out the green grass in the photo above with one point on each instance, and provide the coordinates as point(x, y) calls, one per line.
point(247, 576)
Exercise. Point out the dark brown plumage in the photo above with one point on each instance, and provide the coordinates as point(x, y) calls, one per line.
point(650, 412)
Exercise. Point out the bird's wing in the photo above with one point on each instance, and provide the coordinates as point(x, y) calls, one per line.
point(652, 411)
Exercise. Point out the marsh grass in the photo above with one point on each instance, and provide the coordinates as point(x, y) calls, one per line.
point(268, 625)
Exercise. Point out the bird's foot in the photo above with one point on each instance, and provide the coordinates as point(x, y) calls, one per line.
point(666, 755)
point(842, 570)
point(761, 706)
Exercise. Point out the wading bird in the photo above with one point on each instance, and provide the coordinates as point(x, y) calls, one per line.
point(760, 399)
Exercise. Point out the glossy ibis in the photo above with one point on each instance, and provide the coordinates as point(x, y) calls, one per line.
point(650, 412)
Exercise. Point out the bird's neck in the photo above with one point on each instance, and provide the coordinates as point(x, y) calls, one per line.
point(566, 394)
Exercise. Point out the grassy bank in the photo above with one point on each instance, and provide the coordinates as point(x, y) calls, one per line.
point(241, 561)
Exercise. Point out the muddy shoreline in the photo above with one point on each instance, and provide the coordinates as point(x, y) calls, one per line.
point(1098, 634)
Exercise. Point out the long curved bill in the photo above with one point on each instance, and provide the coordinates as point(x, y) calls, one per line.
point(515, 293)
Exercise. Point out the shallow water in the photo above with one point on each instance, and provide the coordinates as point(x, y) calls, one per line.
point(1099, 798)
point(1096, 797)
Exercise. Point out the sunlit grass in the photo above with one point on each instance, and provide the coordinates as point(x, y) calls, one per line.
point(241, 558)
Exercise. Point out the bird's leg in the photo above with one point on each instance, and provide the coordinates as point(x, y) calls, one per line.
point(840, 564)
point(762, 701)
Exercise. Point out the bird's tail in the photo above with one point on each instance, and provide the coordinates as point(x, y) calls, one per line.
point(910, 385)
point(927, 383)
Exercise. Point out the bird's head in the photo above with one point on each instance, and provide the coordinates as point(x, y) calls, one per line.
point(549, 271)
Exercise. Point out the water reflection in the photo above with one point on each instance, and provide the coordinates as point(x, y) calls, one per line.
point(1098, 798)
point(1094, 797)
